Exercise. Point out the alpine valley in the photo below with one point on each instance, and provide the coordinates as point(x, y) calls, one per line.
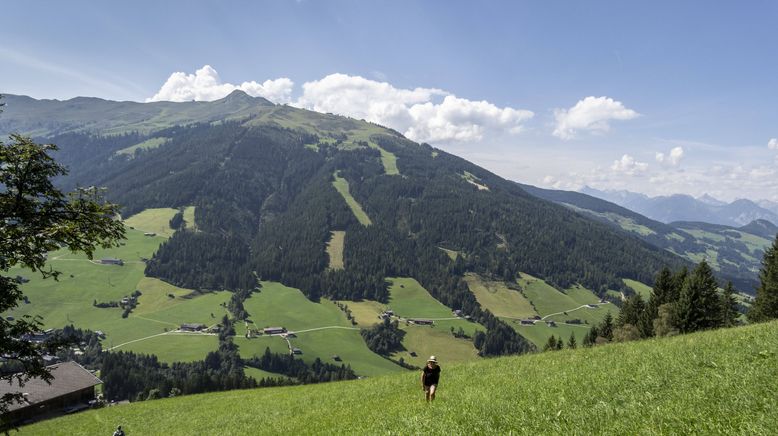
point(322, 226)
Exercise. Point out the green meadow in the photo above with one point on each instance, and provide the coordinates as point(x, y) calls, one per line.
point(341, 185)
point(715, 382)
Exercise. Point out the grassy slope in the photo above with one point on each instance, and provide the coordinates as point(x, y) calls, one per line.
point(547, 300)
point(69, 300)
point(148, 144)
point(189, 218)
point(335, 249)
point(153, 221)
point(278, 305)
point(498, 298)
point(409, 299)
point(720, 382)
point(341, 185)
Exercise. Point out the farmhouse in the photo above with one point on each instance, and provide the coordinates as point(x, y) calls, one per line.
point(191, 327)
point(457, 313)
point(551, 323)
point(149, 234)
point(112, 261)
point(72, 388)
point(273, 330)
point(421, 321)
point(297, 351)
point(591, 306)
point(527, 322)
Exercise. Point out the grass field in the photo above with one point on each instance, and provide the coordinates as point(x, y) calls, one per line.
point(640, 288)
point(329, 332)
point(335, 249)
point(341, 185)
point(539, 333)
point(717, 382)
point(409, 299)
point(83, 282)
point(148, 144)
point(189, 218)
point(452, 254)
point(365, 312)
point(498, 298)
point(153, 221)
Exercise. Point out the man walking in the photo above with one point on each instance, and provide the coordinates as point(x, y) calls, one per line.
point(430, 376)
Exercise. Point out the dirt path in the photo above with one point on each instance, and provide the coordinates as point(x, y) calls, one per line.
point(573, 310)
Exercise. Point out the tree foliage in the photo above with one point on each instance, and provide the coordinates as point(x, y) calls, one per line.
point(765, 305)
point(36, 218)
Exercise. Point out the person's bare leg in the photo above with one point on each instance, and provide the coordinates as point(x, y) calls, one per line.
point(427, 395)
point(431, 393)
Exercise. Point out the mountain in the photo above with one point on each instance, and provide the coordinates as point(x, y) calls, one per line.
point(680, 207)
point(772, 206)
point(328, 205)
point(762, 228)
point(649, 384)
point(735, 252)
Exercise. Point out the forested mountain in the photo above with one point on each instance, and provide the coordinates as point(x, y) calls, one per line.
point(687, 208)
point(270, 183)
point(735, 252)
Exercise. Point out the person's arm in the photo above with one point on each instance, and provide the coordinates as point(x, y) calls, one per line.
point(422, 379)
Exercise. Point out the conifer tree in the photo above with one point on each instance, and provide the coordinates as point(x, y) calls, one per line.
point(662, 293)
point(699, 305)
point(551, 344)
point(765, 305)
point(606, 328)
point(631, 311)
point(729, 312)
point(571, 343)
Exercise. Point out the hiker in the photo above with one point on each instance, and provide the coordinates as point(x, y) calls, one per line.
point(429, 378)
point(119, 431)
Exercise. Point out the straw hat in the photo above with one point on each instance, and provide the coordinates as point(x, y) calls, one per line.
point(432, 359)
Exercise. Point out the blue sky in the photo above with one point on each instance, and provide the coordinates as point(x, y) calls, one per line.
point(699, 76)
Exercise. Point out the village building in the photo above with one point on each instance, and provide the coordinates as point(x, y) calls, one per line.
point(457, 313)
point(72, 388)
point(273, 330)
point(418, 321)
point(112, 261)
point(149, 234)
point(297, 351)
point(527, 322)
point(192, 327)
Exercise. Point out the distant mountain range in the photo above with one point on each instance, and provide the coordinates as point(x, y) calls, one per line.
point(734, 251)
point(680, 207)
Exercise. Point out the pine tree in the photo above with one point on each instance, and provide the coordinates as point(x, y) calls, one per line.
point(560, 343)
point(765, 305)
point(571, 343)
point(662, 293)
point(591, 337)
point(729, 312)
point(551, 344)
point(631, 311)
point(699, 306)
point(606, 328)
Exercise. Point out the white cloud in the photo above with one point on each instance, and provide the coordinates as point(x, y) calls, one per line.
point(206, 85)
point(421, 114)
point(673, 159)
point(591, 114)
point(628, 165)
point(414, 112)
point(772, 144)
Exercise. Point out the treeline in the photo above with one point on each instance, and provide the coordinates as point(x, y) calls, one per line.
point(286, 364)
point(384, 338)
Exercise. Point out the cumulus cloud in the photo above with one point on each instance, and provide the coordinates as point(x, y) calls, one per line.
point(206, 85)
point(772, 144)
point(418, 113)
point(628, 165)
point(421, 114)
point(673, 158)
point(591, 114)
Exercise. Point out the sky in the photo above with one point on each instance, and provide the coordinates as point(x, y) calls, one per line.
point(656, 97)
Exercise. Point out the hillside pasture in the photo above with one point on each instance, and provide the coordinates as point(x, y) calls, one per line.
point(148, 144)
point(153, 221)
point(341, 185)
point(335, 249)
point(498, 298)
point(714, 382)
point(322, 330)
